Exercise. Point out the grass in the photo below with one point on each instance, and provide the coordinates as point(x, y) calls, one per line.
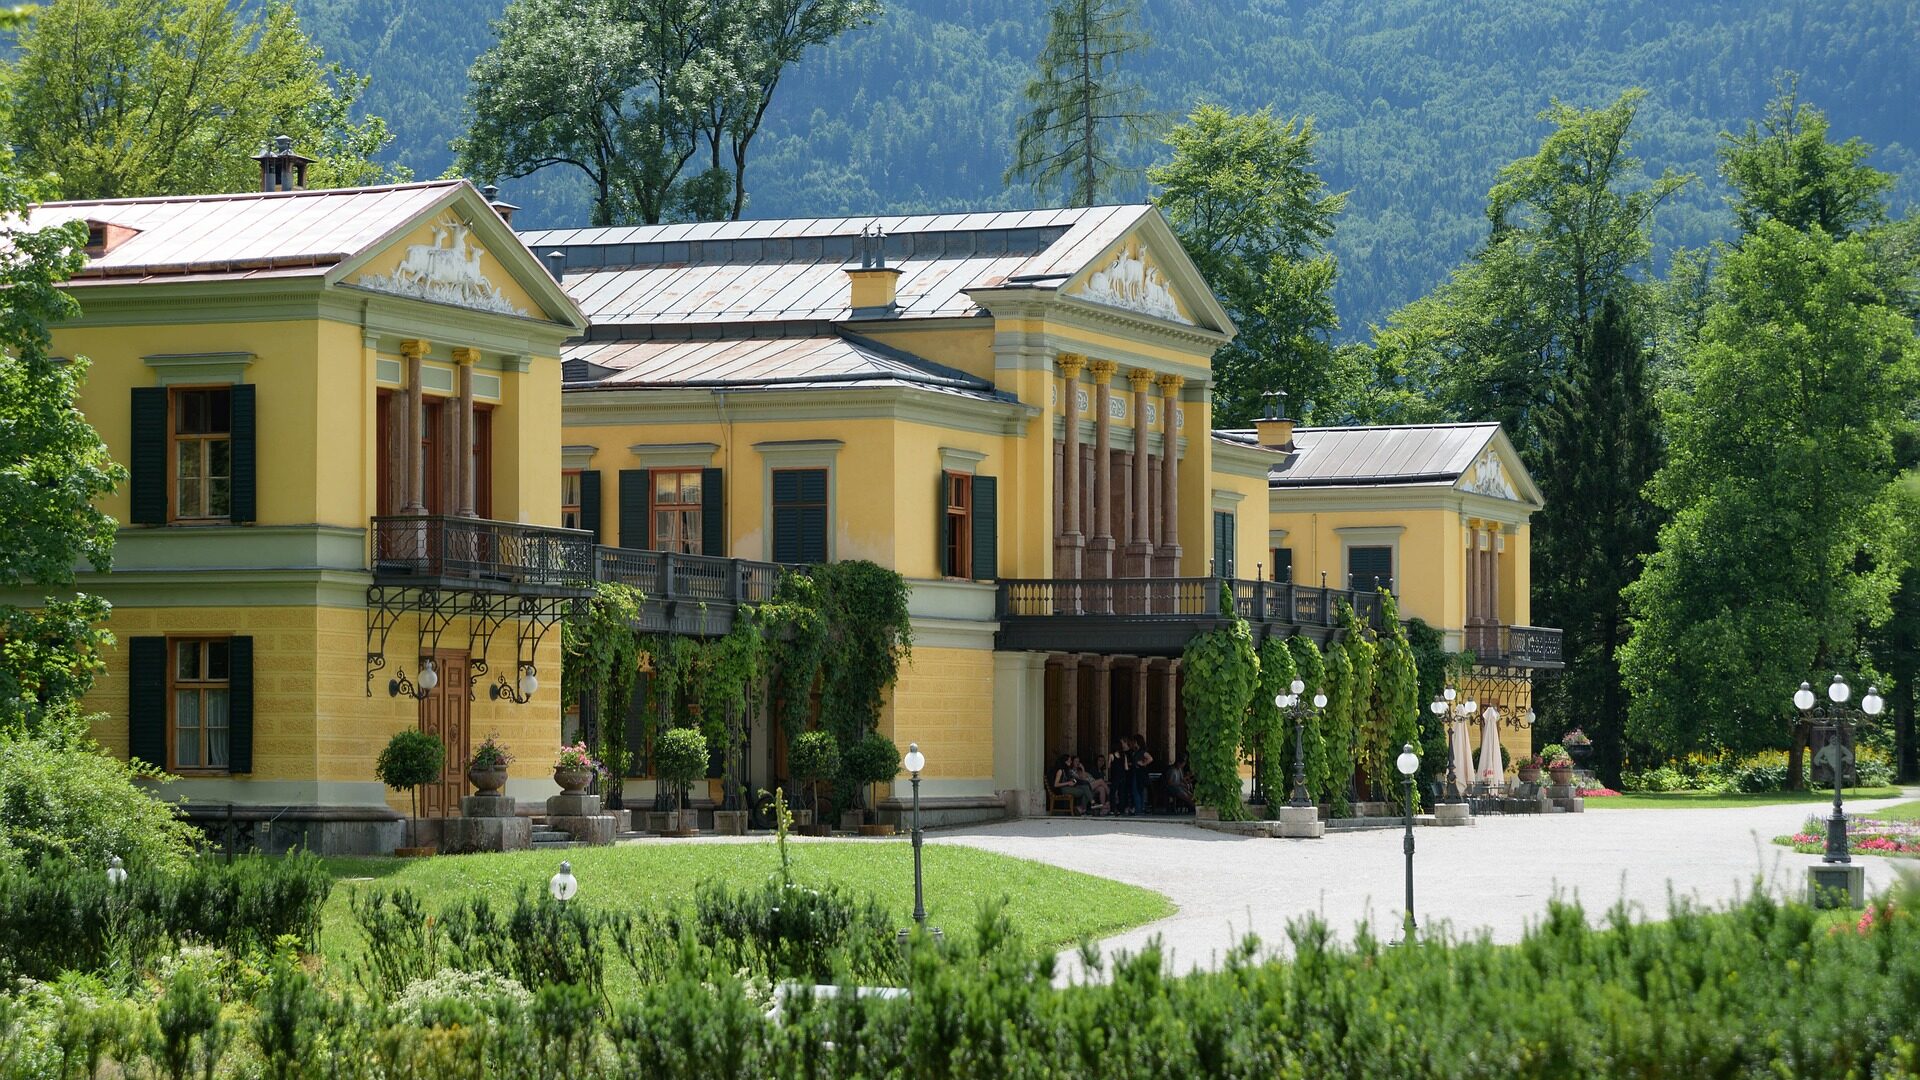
point(1906, 811)
point(1046, 904)
point(1683, 800)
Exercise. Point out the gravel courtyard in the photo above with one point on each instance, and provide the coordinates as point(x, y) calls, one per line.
point(1496, 875)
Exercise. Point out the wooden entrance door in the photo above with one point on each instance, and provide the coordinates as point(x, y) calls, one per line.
point(446, 713)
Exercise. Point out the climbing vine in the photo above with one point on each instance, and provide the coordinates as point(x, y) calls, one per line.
point(1220, 675)
point(1369, 728)
point(868, 634)
point(599, 661)
point(1436, 668)
point(731, 679)
point(796, 631)
point(1269, 735)
point(1336, 729)
point(1397, 694)
point(1311, 669)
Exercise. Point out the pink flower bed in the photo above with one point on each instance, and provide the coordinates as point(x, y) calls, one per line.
point(1865, 836)
point(1596, 792)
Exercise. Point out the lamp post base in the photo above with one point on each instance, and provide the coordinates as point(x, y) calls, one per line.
point(1302, 823)
point(1452, 813)
point(1833, 885)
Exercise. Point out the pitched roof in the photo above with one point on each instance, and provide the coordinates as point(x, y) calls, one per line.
point(769, 271)
point(823, 358)
point(254, 234)
point(1401, 454)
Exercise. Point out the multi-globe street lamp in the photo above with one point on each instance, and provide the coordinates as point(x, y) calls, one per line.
point(1440, 707)
point(1842, 717)
point(1290, 701)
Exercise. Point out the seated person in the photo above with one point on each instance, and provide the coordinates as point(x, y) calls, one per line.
point(1094, 784)
point(1179, 783)
point(1066, 783)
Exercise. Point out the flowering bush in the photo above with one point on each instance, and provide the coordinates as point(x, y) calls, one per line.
point(1596, 792)
point(490, 754)
point(577, 757)
point(1865, 836)
point(1576, 737)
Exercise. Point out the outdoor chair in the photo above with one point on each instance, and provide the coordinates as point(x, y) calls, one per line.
point(1059, 802)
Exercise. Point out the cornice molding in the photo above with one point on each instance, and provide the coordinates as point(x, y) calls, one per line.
point(609, 407)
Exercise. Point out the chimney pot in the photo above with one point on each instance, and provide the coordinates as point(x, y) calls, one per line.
point(556, 263)
point(1275, 430)
point(282, 168)
point(874, 282)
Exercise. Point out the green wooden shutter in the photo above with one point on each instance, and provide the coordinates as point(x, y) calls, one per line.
point(590, 502)
point(1223, 543)
point(813, 519)
point(800, 530)
point(944, 497)
point(148, 458)
point(240, 704)
point(986, 528)
point(241, 450)
point(147, 699)
point(1365, 564)
point(636, 488)
point(713, 513)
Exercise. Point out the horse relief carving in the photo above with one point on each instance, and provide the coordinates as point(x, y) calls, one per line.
point(1129, 282)
point(446, 271)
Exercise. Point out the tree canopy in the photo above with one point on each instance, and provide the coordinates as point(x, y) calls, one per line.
point(1082, 111)
point(118, 98)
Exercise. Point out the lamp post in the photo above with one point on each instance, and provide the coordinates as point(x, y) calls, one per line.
point(915, 761)
point(563, 885)
point(1408, 763)
point(1291, 701)
point(1842, 718)
point(1439, 707)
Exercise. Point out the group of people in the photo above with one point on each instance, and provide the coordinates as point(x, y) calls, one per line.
point(1120, 787)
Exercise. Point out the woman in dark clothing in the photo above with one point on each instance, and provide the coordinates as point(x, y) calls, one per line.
point(1138, 762)
point(1066, 783)
point(1180, 786)
point(1120, 777)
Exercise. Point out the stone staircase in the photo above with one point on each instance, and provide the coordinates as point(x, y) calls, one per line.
point(547, 838)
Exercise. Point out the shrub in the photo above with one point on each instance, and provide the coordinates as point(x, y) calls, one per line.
point(680, 758)
point(787, 930)
point(872, 760)
point(75, 803)
point(454, 997)
point(411, 758)
point(815, 758)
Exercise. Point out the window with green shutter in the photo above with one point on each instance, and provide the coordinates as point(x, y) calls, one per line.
point(800, 515)
point(1223, 541)
point(1369, 568)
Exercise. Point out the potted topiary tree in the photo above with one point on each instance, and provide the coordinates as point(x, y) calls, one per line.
point(411, 758)
point(680, 760)
point(813, 759)
point(872, 760)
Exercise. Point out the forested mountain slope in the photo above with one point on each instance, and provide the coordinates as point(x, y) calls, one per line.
point(1418, 102)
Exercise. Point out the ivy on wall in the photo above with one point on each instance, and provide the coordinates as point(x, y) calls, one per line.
point(1367, 728)
point(1220, 675)
point(796, 630)
point(868, 634)
point(1311, 669)
point(1268, 739)
point(1436, 668)
point(1396, 698)
point(599, 661)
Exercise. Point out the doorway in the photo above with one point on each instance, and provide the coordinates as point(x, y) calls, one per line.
point(446, 713)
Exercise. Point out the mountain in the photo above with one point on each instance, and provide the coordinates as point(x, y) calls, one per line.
point(1418, 102)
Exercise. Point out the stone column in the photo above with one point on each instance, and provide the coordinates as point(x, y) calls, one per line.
point(463, 470)
point(416, 499)
point(1139, 553)
point(1069, 709)
point(1096, 747)
point(1100, 545)
point(1069, 544)
point(1169, 565)
point(1139, 725)
point(1164, 753)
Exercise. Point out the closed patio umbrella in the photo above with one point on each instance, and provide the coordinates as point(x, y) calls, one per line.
point(1490, 769)
point(1461, 751)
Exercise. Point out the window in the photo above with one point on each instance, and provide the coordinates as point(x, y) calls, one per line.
point(800, 515)
point(958, 557)
point(199, 694)
point(570, 499)
point(1223, 543)
point(1283, 564)
point(676, 510)
point(1369, 568)
point(202, 453)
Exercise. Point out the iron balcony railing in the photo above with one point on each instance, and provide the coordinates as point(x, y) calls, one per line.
point(416, 547)
point(1180, 598)
point(1520, 645)
point(667, 575)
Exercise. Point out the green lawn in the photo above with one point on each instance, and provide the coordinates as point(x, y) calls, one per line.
point(1047, 904)
point(1681, 800)
point(1906, 811)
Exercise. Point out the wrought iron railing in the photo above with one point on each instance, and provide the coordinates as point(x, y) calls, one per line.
point(1514, 644)
point(1181, 598)
point(667, 575)
point(415, 547)
point(1302, 605)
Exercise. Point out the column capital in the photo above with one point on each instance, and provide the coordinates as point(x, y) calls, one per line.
point(1102, 370)
point(1071, 363)
point(1138, 378)
point(465, 355)
point(1170, 384)
point(413, 348)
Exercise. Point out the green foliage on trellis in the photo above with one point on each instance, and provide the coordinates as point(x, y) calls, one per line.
point(1220, 674)
point(1365, 730)
point(1336, 729)
point(599, 662)
point(1311, 669)
point(1396, 694)
point(1268, 738)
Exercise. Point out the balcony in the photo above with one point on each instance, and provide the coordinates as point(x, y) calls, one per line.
point(687, 594)
point(1514, 646)
point(481, 555)
point(1158, 616)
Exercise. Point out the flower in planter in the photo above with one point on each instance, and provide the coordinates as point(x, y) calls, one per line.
point(1560, 761)
point(490, 754)
point(1576, 737)
point(576, 757)
point(1530, 762)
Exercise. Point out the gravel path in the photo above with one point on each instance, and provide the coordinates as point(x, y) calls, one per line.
point(1496, 875)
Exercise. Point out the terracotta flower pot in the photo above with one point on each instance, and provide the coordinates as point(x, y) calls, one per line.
point(1529, 774)
point(572, 781)
point(1561, 774)
point(487, 779)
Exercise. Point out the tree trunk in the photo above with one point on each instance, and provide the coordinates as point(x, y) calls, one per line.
point(1796, 757)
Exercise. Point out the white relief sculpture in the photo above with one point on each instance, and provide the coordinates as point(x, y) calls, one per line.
point(1129, 282)
point(446, 271)
point(1079, 401)
point(1488, 479)
point(1153, 414)
point(1116, 407)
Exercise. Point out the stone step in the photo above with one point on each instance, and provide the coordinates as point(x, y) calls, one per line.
point(550, 836)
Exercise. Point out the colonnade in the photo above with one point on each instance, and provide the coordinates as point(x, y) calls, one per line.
point(1093, 699)
point(1483, 543)
point(411, 429)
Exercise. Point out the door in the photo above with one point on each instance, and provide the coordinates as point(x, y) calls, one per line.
point(446, 714)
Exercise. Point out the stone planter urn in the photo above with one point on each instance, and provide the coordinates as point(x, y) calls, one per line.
point(1529, 774)
point(1561, 775)
point(730, 822)
point(1580, 752)
point(852, 820)
point(572, 781)
point(487, 779)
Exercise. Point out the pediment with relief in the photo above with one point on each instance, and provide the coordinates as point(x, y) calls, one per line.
point(1130, 279)
point(444, 262)
point(1489, 477)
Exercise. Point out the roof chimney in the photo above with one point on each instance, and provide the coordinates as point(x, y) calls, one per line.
point(556, 263)
point(1275, 430)
point(281, 167)
point(874, 281)
point(505, 209)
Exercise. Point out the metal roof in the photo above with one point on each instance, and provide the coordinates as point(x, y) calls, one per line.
point(256, 234)
point(758, 271)
point(1402, 454)
point(824, 358)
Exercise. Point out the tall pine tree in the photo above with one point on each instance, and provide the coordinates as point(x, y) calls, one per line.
point(1082, 112)
point(1599, 445)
